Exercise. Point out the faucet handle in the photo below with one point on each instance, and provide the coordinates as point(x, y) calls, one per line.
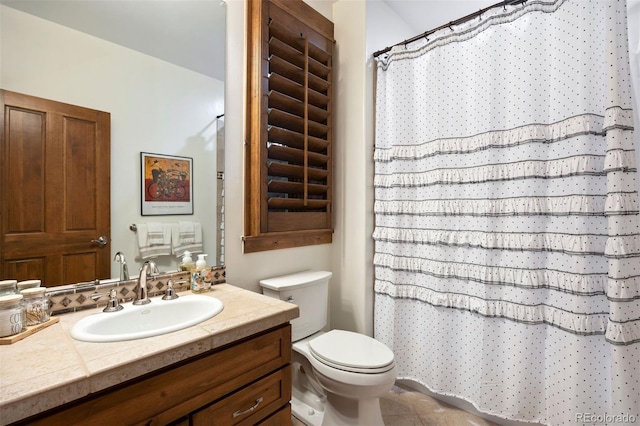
point(113, 305)
point(170, 294)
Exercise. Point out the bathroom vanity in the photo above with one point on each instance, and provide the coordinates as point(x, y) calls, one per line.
point(231, 369)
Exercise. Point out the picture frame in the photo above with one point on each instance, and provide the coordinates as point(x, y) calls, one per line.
point(166, 184)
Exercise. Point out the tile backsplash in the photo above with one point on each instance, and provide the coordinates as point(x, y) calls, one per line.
point(72, 298)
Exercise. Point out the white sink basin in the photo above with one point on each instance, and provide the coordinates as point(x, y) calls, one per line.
point(153, 319)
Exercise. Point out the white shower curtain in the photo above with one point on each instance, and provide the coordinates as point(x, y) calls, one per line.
point(507, 235)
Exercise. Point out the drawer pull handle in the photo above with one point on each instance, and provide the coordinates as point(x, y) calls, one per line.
point(248, 410)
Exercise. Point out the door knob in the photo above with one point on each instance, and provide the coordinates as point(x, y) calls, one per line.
point(101, 241)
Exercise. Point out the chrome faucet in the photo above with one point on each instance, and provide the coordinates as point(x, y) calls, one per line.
point(124, 270)
point(141, 297)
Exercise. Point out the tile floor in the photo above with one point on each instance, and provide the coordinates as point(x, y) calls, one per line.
point(406, 407)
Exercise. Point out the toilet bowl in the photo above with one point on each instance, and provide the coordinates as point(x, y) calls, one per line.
point(338, 375)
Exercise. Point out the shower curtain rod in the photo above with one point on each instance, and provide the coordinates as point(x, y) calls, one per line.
point(450, 24)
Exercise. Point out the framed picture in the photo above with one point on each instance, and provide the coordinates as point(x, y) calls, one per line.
point(167, 184)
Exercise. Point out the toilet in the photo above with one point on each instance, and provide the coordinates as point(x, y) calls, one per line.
point(338, 375)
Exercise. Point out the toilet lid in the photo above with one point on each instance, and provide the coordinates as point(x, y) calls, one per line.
point(351, 351)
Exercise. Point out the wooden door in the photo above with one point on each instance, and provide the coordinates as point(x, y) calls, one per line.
point(54, 191)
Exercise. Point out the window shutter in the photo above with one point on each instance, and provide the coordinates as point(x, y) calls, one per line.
point(289, 163)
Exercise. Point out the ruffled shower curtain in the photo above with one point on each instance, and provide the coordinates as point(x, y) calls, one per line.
point(507, 233)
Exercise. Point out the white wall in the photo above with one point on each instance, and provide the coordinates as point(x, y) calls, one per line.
point(351, 290)
point(380, 15)
point(155, 107)
point(361, 27)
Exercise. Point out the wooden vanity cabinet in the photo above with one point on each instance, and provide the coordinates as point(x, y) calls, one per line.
point(244, 383)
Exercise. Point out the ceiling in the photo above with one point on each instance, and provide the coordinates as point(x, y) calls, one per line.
point(191, 33)
point(188, 33)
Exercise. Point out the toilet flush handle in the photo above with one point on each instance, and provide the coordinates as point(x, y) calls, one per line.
point(289, 299)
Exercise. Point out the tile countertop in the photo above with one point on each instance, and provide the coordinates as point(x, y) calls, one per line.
point(50, 368)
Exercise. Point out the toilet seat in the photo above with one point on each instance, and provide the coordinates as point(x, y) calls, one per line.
point(354, 352)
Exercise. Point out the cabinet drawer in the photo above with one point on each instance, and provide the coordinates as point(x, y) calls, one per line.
point(251, 404)
point(280, 418)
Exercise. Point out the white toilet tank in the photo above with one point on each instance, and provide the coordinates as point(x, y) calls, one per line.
point(308, 290)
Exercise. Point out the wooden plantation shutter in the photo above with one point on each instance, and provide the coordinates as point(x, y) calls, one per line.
point(289, 129)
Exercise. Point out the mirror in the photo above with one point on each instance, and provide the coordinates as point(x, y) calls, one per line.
point(157, 66)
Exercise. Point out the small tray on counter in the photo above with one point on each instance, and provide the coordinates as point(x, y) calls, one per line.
point(31, 329)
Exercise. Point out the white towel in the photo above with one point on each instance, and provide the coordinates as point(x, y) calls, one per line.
point(186, 232)
point(155, 234)
point(154, 239)
point(187, 236)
